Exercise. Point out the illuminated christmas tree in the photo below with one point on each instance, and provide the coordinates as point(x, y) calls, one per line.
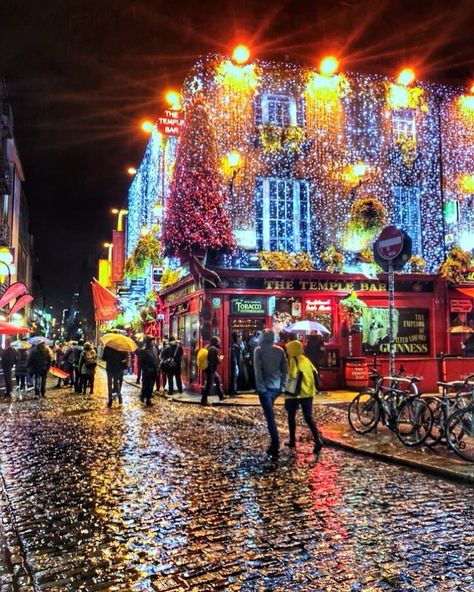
point(196, 219)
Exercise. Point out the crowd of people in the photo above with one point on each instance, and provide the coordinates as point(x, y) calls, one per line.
point(287, 368)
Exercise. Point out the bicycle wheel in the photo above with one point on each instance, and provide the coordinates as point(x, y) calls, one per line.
point(364, 412)
point(460, 432)
point(437, 430)
point(414, 422)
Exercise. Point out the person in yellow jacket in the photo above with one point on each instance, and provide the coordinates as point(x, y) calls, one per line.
point(304, 398)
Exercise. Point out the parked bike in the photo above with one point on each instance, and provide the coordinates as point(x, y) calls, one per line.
point(396, 402)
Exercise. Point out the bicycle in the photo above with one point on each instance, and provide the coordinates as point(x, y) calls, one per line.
point(455, 395)
point(398, 405)
point(460, 430)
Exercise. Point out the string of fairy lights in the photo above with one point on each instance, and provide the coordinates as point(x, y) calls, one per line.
point(408, 144)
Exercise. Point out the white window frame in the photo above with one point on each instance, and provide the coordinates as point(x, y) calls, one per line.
point(404, 124)
point(266, 98)
point(299, 242)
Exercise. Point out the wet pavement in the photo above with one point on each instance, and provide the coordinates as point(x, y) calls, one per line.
point(180, 497)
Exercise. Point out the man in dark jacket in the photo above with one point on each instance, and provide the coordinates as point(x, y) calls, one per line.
point(212, 377)
point(171, 364)
point(271, 374)
point(38, 363)
point(150, 364)
point(116, 362)
point(9, 358)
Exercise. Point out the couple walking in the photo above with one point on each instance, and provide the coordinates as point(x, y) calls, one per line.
point(271, 376)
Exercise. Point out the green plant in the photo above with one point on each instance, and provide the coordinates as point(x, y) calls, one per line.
point(271, 137)
point(352, 308)
point(416, 264)
point(170, 277)
point(147, 251)
point(456, 265)
point(367, 214)
point(282, 261)
point(332, 259)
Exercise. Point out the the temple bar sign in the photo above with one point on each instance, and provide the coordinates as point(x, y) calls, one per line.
point(170, 123)
point(326, 285)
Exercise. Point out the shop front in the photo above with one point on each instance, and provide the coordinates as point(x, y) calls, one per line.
point(241, 307)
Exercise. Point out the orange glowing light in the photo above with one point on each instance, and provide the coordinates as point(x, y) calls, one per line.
point(471, 90)
point(147, 126)
point(406, 76)
point(173, 99)
point(241, 54)
point(132, 171)
point(329, 65)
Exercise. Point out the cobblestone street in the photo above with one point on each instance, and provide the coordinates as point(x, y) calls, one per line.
point(180, 497)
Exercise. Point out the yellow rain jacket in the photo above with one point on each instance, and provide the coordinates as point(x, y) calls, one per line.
point(295, 353)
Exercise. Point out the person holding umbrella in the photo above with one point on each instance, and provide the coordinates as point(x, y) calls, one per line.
point(117, 359)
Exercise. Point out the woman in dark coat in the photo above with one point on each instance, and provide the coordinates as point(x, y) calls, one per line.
point(315, 349)
point(20, 370)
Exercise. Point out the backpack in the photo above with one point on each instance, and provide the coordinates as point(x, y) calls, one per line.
point(90, 359)
point(202, 358)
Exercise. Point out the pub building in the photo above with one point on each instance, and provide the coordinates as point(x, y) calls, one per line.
point(301, 154)
point(249, 302)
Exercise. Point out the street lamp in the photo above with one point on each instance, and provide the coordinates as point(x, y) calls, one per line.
point(109, 246)
point(120, 214)
point(132, 171)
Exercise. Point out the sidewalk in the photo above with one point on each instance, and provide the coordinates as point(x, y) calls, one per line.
point(380, 444)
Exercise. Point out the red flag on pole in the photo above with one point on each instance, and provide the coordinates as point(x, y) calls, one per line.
point(105, 303)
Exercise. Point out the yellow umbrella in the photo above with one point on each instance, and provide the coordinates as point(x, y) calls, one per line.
point(118, 342)
point(461, 329)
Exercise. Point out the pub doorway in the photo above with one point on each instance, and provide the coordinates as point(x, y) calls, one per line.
point(244, 332)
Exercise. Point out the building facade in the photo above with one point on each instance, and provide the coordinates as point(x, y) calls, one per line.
point(296, 150)
point(14, 213)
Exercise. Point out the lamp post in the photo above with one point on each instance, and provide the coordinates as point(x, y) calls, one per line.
point(120, 215)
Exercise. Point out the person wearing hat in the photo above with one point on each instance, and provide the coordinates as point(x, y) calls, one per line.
point(150, 365)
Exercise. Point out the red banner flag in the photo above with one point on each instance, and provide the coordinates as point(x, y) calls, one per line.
point(19, 304)
point(105, 303)
point(12, 292)
point(118, 255)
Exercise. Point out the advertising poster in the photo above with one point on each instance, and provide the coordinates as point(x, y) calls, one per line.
point(411, 331)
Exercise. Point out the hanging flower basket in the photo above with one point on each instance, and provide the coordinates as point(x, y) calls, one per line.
point(368, 214)
point(352, 308)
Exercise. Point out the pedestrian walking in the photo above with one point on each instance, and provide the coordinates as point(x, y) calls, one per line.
point(9, 359)
point(158, 345)
point(87, 367)
point(68, 364)
point(302, 375)
point(76, 354)
point(59, 352)
point(150, 365)
point(171, 364)
point(21, 370)
point(38, 363)
point(116, 362)
point(214, 358)
point(271, 373)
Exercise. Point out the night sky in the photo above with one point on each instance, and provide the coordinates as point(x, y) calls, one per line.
point(82, 74)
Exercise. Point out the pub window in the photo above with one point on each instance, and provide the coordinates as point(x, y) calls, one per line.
point(282, 215)
point(406, 204)
point(403, 122)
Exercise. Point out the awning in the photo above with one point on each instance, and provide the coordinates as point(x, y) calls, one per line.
point(466, 291)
